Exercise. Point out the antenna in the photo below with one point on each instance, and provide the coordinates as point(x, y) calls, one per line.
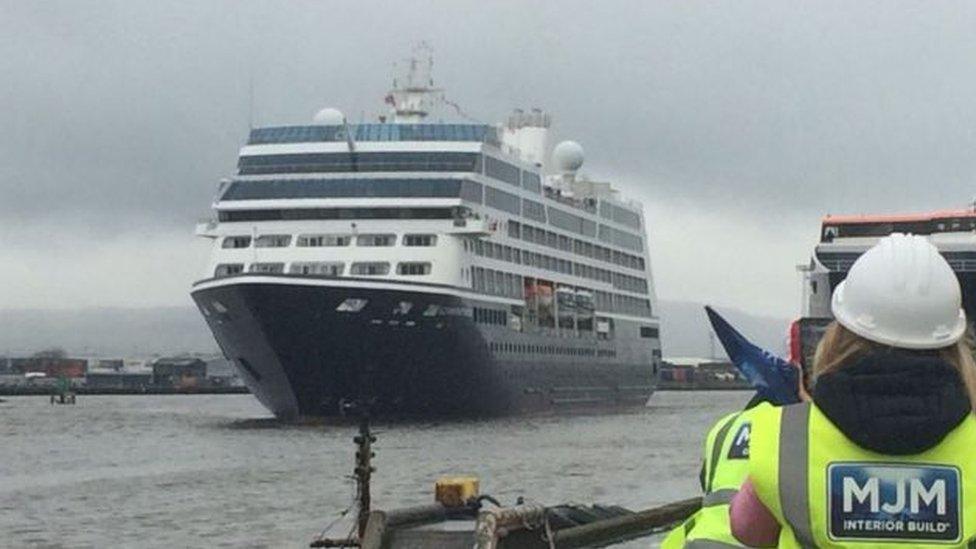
point(413, 94)
point(250, 98)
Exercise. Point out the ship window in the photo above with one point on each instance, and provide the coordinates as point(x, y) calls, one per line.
point(626, 217)
point(565, 220)
point(502, 171)
point(565, 243)
point(647, 331)
point(471, 191)
point(419, 240)
point(531, 182)
point(272, 241)
point(376, 240)
point(552, 239)
point(413, 268)
point(236, 242)
point(514, 229)
point(371, 268)
point(272, 268)
point(534, 210)
point(501, 200)
point(228, 269)
point(323, 240)
point(326, 268)
point(479, 279)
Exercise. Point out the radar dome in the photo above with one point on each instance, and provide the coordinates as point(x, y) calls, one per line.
point(568, 156)
point(329, 117)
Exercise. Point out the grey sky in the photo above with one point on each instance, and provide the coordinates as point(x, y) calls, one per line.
point(738, 123)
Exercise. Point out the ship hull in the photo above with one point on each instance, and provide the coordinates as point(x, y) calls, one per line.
point(415, 351)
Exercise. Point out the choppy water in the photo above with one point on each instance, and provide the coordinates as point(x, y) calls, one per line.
point(211, 471)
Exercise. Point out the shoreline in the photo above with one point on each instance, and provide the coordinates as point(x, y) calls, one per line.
point(95, 391)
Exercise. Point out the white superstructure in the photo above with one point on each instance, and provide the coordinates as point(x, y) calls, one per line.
point(458, 205)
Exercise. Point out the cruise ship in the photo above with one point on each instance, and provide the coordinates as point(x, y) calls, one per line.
point(435, 268)
point(843, 238)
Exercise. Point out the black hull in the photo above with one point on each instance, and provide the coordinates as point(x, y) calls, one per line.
point(301, 357)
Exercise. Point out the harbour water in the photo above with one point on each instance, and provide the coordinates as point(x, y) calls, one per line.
point(215, 471)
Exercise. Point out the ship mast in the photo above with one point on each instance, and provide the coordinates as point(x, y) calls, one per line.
point(413, 94)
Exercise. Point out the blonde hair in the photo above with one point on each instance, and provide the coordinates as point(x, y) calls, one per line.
point(841, 347)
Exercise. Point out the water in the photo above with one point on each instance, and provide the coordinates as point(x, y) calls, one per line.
point(215, 471)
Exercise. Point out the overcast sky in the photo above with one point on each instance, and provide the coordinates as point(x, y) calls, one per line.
point(739, 124)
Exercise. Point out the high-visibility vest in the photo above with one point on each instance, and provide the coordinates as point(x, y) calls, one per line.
point(826, 491)
point(726, 467)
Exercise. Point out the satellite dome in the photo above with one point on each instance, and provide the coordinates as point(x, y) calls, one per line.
point(568, 156)
point(329, 117)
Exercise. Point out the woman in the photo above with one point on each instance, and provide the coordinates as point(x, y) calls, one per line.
point(884, 453)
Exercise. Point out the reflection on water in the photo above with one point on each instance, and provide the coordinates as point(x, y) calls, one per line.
point(205, 471)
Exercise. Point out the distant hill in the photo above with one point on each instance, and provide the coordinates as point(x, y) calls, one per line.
point(685, 329)
point(106, 332)
point(172, 330)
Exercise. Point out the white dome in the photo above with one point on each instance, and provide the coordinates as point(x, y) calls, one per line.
point(329, 117)
point(567, 156)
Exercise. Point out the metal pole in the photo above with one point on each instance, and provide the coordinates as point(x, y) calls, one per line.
point(364, 468)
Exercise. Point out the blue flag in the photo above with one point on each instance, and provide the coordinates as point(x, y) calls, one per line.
point(774, 378)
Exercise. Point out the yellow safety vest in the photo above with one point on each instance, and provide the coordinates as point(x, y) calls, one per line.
point(726, 467)
point(826, 491)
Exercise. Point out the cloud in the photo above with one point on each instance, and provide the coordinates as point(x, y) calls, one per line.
point(67, 267)
point(751, 119)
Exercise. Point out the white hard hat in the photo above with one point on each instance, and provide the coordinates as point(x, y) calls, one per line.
point(902, 293)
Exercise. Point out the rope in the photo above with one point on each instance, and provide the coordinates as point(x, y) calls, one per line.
point(352, 505)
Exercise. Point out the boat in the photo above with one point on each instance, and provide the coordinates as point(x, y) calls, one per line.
point(435, 266)
point(843, 238)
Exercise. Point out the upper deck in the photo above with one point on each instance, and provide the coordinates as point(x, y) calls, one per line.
point(843, 238)
point(480, 133)
point(868, 226)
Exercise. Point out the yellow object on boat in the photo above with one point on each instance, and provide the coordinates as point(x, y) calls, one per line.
point(455, 491)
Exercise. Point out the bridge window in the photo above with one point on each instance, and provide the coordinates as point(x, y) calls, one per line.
point(424, 240)
point(295, 214)
point(236, 242)
point(376, 240)
point(372, 268)
point(323, 240)
point(360, 162)
point(280, 189)
point(413, 268)
point(273, 241)
point(228, 269)
point(375, 132)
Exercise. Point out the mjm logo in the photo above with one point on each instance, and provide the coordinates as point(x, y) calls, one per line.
point(880, 501)
point(919, 495)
